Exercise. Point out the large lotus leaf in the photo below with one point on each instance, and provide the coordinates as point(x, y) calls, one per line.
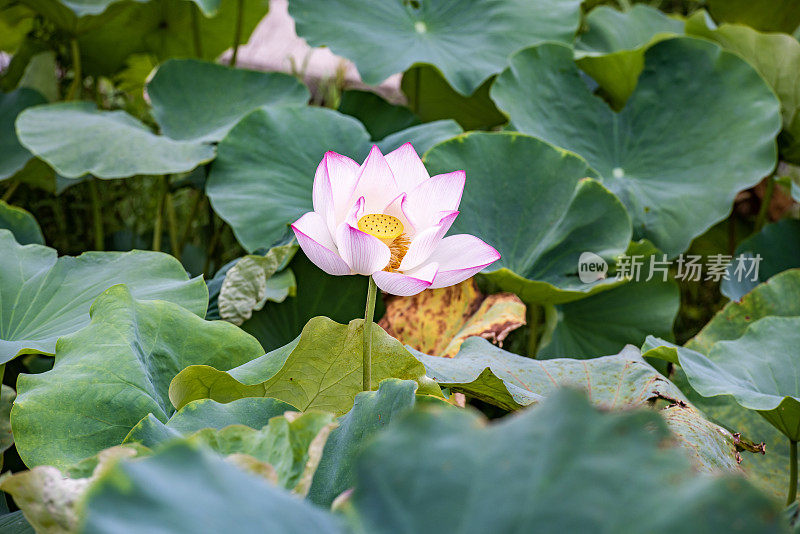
point(15, 523)
point(780, 295)
point(606, 322)
point(338, 297)
point(774, 248)
point(530, 201)
point(378, 116)
point(561, 467)
point(49, 497)
point(621, 381)
point(21, 224)
point(648, 154)
point(320, 370)
point(199, 100)
point(262, 177)
point(510, 381)
point(775, 56)
point(189, 490)
point(162, 29)
point(45, 297)
point(612, 49)
point(371, 412)
point(83, 8)
point(467, 40)
point(422, 136)
point(206, 413)
point(15, 156)
point(432, 98)
point(76, 138)
point(438, 321)
point(763, 15)
point(112, 373)
point(758, 369)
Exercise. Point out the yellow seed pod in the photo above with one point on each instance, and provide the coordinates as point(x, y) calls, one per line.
point(385, 227)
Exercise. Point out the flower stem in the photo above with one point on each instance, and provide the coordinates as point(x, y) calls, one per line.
point(372, 293)
point(237, 31)
point(74, 91)
point(792, 472)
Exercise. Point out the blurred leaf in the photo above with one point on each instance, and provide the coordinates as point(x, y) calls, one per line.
point(593, 472)
point(11, 105)
point(467, 41)
point(320, 370)
point(378, 116)
point(112, 373)
point(690, 89)
point(201, 101)
point(7, 396)
point(41, 75)
point(21, 223)
point(763, 15)
point(76, 138)
point(422, 136)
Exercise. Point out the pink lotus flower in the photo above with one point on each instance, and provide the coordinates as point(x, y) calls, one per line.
point(387, 219)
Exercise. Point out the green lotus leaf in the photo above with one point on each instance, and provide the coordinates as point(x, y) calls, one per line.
point(262, 178)
point(676, 189)
point(763, 15)
point(76, 138)
point(775, 250)
point(432, 98)
point(612, 49)
point(371, 413)
point(21, 224)
point(468, 41)
point(45, 297)
point(15, 523)
point(201, 101)
point(530, 200)
point(206, 413)
point(561, 467)
point(775, 56)
point(320, 370)
point(338, 297)
point(15, 156)
point(41, 74)
point(194, 490)
point(780, 295)
point(422, 136)
point(621, 381)
point(112, 373)
point(757, 369)
point(606, 322)
point(378, 116)
point(510, 381)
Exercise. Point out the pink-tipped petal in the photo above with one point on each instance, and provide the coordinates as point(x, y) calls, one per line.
point(316, 241)
point(355, 213)
point(460, 257)
point(406, 284)
point(334, 182)
point(375, 182)
point(425, 242)
point(322, 195)
point(433, 196)
point(407, 167)
point(396, 208)
point(364, 253)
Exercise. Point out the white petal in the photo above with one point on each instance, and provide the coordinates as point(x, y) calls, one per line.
point(316, 241)
point(433, 196)
point(334, 183)
point(460, 257)
point(407, 167)
point(396, 208)
point(376, 182)
point(425, 242)
point(364, 253)
point(406, 284)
